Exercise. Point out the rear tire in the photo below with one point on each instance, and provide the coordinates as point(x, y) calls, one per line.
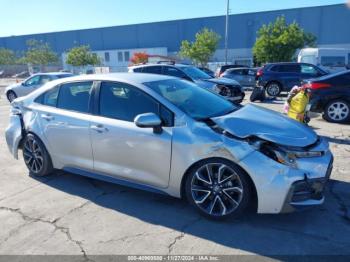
point(36, 157)
point(273, 89)
point(218, 189)
point(11, 96)
point(337, 111)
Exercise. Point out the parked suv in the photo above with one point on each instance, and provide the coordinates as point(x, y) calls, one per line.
point(228, 88)
point(280, 77)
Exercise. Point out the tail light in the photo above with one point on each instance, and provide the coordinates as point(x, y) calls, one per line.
point(260, 72)
point(316, 85)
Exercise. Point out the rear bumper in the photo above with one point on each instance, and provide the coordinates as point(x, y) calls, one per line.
point(13, 135)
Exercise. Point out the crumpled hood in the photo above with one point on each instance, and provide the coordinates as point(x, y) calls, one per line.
point(266, 124)
point(212, 82)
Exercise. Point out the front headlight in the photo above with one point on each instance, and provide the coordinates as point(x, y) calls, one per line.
point(283, 155)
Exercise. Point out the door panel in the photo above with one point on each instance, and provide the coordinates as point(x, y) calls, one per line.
point(68, 135)
point(65, 119)
point(123, 150)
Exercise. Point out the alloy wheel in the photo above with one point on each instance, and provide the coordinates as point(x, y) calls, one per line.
point(11, 96)
point(33, 155)
point(338, 111)
point(273, 89)
point(216, 189)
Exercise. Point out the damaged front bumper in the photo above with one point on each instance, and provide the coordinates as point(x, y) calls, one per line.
point(307, 192)
point(281, 188)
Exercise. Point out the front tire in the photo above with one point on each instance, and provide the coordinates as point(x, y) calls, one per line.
point(36, 157)
point(273, 89)
point(218, 189)
point(11, 96)
point(337, 111)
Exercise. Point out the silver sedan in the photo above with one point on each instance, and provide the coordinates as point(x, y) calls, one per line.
point(168, 135)
point(32, 83)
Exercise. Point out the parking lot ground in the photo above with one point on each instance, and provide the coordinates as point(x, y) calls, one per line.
point(68, 214)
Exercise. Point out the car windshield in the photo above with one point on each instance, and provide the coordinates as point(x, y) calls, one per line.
point(195, 73)
point(195, 101)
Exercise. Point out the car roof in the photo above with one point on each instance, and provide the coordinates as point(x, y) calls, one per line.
point(123, 77)
point(162, 64)
point(53, 73)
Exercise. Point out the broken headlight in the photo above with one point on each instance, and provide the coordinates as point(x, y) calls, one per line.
point(283, 155)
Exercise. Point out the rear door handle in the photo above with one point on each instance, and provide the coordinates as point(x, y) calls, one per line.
point(47, 117)
point(99, 128)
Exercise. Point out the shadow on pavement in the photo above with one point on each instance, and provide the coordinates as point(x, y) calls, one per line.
point(338, 140)
point(322, 230)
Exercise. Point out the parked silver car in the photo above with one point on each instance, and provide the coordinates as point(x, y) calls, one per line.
point(32, 83)
point(168, 135)
point(244, 76)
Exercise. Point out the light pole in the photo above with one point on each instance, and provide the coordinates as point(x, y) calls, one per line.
point(226, 31)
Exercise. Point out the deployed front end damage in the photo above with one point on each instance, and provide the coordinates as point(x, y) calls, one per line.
point(290, 165)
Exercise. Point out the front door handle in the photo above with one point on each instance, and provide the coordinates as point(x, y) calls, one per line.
point(47, 117)
point(99, 128)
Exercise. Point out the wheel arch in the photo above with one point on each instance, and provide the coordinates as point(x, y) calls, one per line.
point(254, 203)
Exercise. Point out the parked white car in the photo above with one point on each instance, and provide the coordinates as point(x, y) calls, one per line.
point(32, 83)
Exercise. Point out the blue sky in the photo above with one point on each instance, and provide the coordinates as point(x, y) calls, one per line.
point(38, 16)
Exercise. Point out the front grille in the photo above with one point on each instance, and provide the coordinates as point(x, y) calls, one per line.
point(227, 90)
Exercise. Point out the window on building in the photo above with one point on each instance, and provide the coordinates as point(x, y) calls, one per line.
point(107, 58)
point(75, 96)
point(126, 56)
point(334, 61)
point(120, 56)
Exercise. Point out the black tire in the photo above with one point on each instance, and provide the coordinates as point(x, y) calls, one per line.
point(273, 89)
point(222, 196)
point(36, 157)
point(337, 111)
point(11, 96)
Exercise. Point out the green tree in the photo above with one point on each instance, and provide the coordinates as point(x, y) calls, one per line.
point(278, 41)
point(202, 48)
point(7, 57)
point(82, 56)
point(39, 53)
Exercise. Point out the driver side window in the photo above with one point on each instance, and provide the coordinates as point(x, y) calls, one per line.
point(32, 81)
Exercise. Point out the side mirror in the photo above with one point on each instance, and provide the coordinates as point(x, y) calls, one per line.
point(149, 120)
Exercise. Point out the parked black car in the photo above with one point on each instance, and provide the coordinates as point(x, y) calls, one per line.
point(221, 69)
point(330, 95)
point(280, 77)
point(228, 88)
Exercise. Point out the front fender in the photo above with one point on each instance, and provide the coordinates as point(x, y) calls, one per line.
point(13, 134)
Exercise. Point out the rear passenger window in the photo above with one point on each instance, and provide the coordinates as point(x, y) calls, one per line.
point(171, 71)
point(289, 69)
point(75, 96)
point(49, 98)
point(152, 70)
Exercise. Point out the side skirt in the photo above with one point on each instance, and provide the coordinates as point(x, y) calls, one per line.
point(113, 180)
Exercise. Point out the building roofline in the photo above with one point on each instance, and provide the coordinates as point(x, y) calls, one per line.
point(174, 20)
